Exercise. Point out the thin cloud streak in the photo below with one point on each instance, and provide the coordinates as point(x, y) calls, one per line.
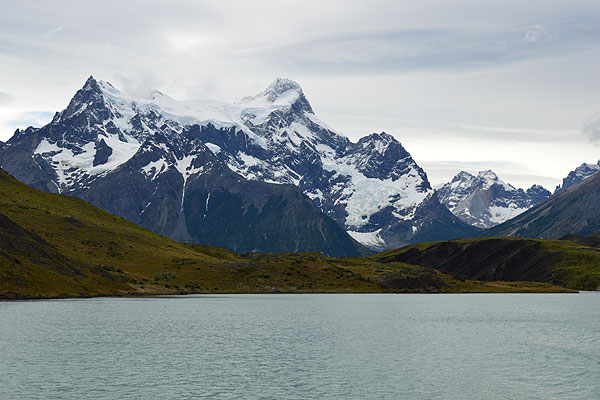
point(5, 98)
point(457, 50)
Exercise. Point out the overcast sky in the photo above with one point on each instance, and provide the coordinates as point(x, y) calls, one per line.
point(511, 86)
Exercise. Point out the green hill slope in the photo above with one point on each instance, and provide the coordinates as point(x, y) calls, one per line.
point(60, 246)
point(572, 262)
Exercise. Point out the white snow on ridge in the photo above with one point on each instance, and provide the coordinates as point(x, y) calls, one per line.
point(213, 148)
point(490, 178)
point(184, 166)
point(201, 112)
point(365, 196)
point(46, 147)
point(158, 166)
point(121, 152)
point(259, 107)
point(360, 197)
point(248, 160)
point(69, 165)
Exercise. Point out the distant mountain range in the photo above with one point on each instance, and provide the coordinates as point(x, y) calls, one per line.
point(573, 210)
point(580, 173)
point(263, 174)
point(484, 200)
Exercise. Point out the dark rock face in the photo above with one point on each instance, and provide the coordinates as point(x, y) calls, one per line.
point(485, 200)
point(246, 216)
point(537, 194)
point(589, 240)
point(580, 173)
point(487, 260)
point(20, 160)
point(103, 151)
point(574, 210)
point(142, 159)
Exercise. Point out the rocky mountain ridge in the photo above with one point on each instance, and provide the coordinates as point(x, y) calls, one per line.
point(574, 210)
point(155, 161)
point(484, 200)
point(580, 173)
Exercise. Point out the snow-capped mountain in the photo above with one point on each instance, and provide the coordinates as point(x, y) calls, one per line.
point(580, 173)
point(159, 146)
point(573, 211)
point(484, 200)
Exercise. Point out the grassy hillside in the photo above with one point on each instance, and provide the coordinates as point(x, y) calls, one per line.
point(572, 262)
point(60, 246)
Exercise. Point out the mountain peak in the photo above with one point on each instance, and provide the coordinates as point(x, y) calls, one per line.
point(488, 174)
point(383, 137)
point(485, 200)
point(90, 81)
point(379, 142)
point(280, 86)
point(536, 187)
point(91, 85)
point(580, 173)
point(463, 176)
point(280, 93)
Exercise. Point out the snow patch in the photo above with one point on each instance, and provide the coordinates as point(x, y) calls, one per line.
point(370, 239)
point(214, 148)
point(501, 214)
point(158, 166)
point(365, 196)
point(70, 166)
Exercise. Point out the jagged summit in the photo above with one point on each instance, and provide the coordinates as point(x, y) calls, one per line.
point(580, 173)
point(488, 174)
point(90, 82)
point(99, 87)
point(484, 200)
point(462, 175)
point(280, 86)
point(382, 137)
point(283, 93)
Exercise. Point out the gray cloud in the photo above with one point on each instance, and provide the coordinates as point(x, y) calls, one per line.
point(140, 85)
point(455, 49)
point(591, 129)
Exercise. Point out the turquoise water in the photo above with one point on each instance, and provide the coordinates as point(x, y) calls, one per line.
point(303, 346)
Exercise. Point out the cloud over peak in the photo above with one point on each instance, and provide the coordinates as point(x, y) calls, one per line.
point(591, 129)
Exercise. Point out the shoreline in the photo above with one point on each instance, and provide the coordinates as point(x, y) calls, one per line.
point(181, 295)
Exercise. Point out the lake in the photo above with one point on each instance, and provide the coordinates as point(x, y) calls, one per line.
point(342, 346)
